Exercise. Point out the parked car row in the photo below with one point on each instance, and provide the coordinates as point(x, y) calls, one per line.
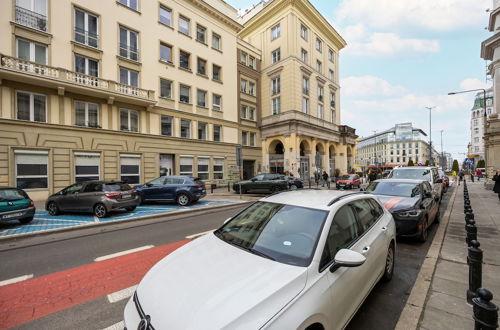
point(268, 183)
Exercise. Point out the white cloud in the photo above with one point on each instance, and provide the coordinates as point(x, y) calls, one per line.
point(368, 86)
point(473, 83)
point(440, 15)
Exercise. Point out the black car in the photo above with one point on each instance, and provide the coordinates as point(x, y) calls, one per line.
point(413, 205)
point(262, 183)
point(294, 183)
point(180, 189)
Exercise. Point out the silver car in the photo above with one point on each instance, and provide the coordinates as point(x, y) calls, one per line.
point(97, 197)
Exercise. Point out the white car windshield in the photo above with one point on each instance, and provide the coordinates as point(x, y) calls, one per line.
point(284, 233)
point(413, 173)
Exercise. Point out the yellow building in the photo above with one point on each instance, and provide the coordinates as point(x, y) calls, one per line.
point(299, 86)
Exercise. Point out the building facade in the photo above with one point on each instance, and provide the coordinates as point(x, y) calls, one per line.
point(479, 113)
point(300, 124)
point(395, 147)
point(490, 50)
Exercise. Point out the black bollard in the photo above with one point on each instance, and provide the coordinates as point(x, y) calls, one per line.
point(309, 183)
point(475, 262)
point(228, 186)
point(469, 216)
point(485, 312)
point(471, 230)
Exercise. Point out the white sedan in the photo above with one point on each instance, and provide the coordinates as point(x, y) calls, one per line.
point(296, 260)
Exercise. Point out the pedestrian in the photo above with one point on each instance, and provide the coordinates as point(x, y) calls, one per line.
point(496, 187)
point(325, 179)
point(460, 176)
point(316, 177)
point(471, 176)
point(479, 174)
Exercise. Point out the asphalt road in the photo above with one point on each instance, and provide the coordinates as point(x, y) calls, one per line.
point(53, 253)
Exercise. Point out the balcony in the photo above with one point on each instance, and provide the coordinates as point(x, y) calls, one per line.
point(348, 133)
point(31, 19)
point(20, 70)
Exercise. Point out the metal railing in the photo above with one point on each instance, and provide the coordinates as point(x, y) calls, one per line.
point(129, 52)
point(86, 37)
point(31, 19)
point(44, 71)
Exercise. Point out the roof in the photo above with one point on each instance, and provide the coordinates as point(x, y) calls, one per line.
point(312, 198)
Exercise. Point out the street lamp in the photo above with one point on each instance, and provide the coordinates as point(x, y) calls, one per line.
point(484, 107)
point(375, 135)
point(430, 134)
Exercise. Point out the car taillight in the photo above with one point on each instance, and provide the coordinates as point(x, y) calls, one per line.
point(113, 195)
point(134, 191)
point(31, 203)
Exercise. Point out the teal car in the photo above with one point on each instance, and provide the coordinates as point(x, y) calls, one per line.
point(15, 205)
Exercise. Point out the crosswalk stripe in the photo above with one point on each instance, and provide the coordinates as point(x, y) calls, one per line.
point(122, 294)
point(118, 254)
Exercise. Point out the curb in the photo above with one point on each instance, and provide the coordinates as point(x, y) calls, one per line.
point(175, 215)
point(414, 307)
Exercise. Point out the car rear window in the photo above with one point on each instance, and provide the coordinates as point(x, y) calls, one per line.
point(12, 195)
point(109, 187)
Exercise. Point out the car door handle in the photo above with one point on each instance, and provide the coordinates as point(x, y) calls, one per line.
point(383, 228)
point(365, 250)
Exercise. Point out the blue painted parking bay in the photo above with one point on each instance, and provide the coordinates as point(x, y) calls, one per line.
point(44, 221)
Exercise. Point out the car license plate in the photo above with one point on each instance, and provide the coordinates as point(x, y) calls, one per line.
point(12, 215)
point(125, 196)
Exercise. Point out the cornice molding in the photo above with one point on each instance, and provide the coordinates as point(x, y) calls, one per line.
point(491, 23)
point(275, 71)
point(488, 46)
point(237, 27)
point(305, 70)
point(321, 80)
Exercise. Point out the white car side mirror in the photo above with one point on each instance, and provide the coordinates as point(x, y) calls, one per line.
point(349, 258)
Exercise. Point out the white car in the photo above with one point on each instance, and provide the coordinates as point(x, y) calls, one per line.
point(296, 260)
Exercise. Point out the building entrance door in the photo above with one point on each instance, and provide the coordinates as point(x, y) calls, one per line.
point(248, 169)
point(304, 168)
point(167, 164)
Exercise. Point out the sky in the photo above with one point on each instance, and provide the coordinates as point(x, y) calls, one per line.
point(403, 56)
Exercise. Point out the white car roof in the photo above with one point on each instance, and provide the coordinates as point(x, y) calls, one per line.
point(312, 198)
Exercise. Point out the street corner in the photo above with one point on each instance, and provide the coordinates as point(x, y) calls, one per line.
point(44, 222)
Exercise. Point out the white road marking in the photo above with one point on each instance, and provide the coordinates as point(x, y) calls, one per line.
point(16, 279)
point(122, 294)
point(116, 326)
point(117, 254)
point(199, 234)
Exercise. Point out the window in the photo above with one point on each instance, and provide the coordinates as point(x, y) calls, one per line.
point(332, 116)
point(202, 131)
point(476, 139)
point(202, 66)
point(251, 113)
point(276, 105)
point(319, 45)
point(320, 111)
point(86, 114)
point(186, 166)
point(185, 92)
point(185, 128)
point(201, 98)
point(184, 25)
point(184, 60)
point(330, 74)
point(216, 41)
point(252, 139)
point(166, 53)
point(32, 13)
point(476, 130)
point(216, 74)
point(305, 85)
point(216, 102)
point(129, 77)
point(319, 66)
point(130, 168)
point(217, 133)
point(320, 93)
point(303, 55)
point(275, 31)
point(203, 168)
point(475, 122)
point(331, 55)
point(251, 88)
point(87, 166)
point(243, 58)
point(129, 3)
point(276, 56)
point(275, 85)
point(343, 231)
point(129, 120)
point(243, 86)
point(31, 169)
point(244, 138)
point(251, 62)
point(305, 105)
point(85, 28)
point(201, 34)
point(365, 214)
point(218, 168)
point(244, 110)
point(31, 51)
point(303, 32)
point(165, 16)
point(166, 88)
point(30, 106)
point(86, 66)
point(247, 112)
point(129, 44)
point(166, 125)
point(332, 99)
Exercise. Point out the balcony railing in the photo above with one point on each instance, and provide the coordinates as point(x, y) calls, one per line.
point(129, 51)
point(31, 19)
point(299, 116)
point(86, 37)
point(63, 75)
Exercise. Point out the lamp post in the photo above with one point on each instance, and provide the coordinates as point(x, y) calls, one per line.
point(484, 107)
point(430, 134)
point(375, 135)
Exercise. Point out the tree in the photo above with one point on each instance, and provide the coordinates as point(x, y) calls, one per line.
point(455, 166)
point(481, 164)
point(410, 162)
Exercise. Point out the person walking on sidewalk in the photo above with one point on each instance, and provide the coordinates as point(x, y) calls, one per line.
point(460, 176)
point(479, 175)
point(325, 179)
point(496, 187)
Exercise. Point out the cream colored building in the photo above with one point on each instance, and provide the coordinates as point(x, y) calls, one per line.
point(300, 123)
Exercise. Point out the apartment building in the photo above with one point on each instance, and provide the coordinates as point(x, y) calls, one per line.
point(123, 90)
point(478, 123)
point(299, 88)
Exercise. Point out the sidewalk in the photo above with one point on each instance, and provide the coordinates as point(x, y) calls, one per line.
point(445, 305)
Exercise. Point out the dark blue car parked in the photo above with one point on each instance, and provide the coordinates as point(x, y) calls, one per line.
point(181, 189)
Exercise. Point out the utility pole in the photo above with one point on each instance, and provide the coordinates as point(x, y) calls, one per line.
point(430, 134)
